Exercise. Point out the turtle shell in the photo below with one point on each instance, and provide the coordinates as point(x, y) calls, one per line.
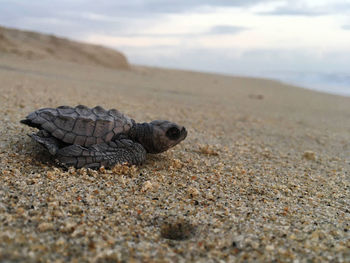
point(81, 125)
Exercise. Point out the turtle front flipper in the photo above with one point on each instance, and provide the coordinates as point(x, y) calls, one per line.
point(104, 154)
point(45, 139)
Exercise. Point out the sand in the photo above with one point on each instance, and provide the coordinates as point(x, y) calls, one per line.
point(262, 176)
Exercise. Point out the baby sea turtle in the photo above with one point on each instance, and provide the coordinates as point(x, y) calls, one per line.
point(84, 137)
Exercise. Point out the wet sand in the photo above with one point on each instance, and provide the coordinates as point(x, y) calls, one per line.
point(263, 174)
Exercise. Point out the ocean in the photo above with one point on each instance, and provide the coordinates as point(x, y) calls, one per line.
point(333, 83)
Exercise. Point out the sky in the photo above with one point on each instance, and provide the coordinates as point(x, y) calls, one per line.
point(243, 37)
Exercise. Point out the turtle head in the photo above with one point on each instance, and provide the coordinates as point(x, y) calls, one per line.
point(158, 136)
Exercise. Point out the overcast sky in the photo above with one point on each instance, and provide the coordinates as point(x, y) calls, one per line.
point(237, 36)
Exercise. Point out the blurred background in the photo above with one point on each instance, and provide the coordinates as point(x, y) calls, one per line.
point(302, 42)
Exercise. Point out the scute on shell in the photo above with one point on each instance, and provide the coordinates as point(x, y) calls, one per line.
point(69, 137)
point(115, 113)
point(83, 110)
point(84, 126)
point(67, 111)
point(64, 122)
point(98, 110)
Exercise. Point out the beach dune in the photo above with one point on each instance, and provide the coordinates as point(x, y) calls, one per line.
point(32, 45)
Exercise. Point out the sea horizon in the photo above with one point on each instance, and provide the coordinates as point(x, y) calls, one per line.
point(333, 83)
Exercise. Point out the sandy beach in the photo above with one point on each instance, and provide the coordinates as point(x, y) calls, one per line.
point(264, 174)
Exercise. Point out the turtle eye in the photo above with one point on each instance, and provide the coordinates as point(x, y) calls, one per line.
point(173, 133)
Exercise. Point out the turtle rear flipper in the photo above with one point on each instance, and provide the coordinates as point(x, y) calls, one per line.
point(48, 141)
point(104, 154)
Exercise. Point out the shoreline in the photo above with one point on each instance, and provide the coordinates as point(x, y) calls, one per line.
point(341, 90)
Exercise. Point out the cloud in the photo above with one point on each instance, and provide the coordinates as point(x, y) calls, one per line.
point(309, 8)
point(128, 8)
point(283, 11)
point(346, 27)
point(225, 30)
point(145, 39)
point(162, 6)
point(176, 6)
point(76, 17)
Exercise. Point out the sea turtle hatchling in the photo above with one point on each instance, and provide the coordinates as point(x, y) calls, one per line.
point(84, 137)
